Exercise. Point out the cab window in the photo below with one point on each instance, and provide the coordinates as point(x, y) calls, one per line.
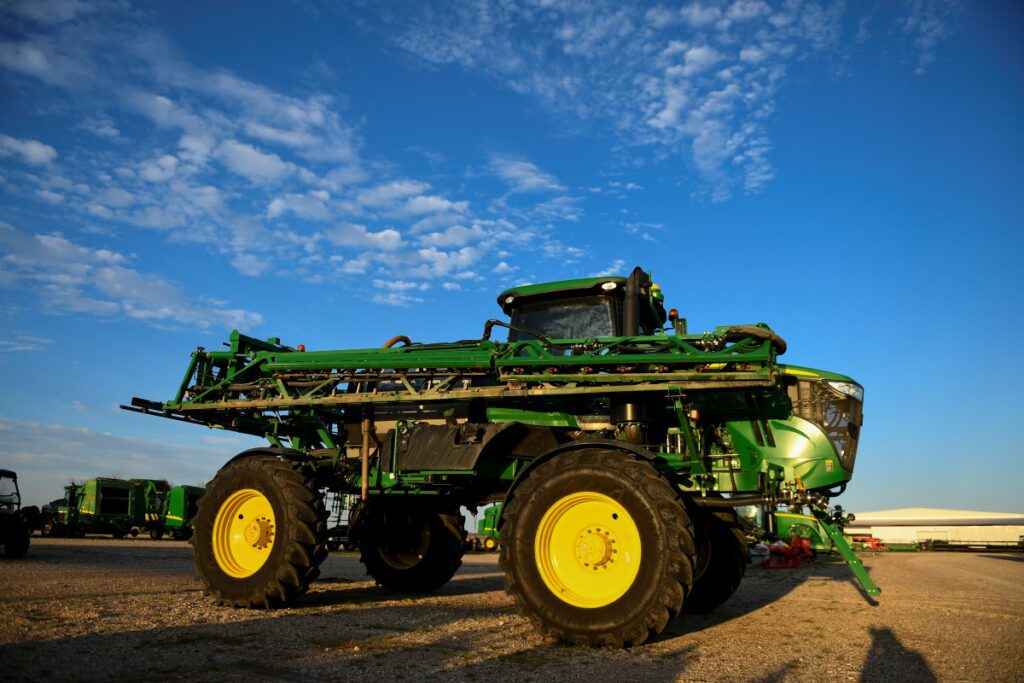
point(576, 319)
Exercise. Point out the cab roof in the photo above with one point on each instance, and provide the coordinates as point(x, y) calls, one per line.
point(561, 287)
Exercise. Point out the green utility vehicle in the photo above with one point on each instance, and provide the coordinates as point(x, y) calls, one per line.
point(618, 447)
point(15, 528)
point(487, 527)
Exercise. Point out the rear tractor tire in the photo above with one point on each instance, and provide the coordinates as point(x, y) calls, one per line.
point(722, 558)
point(597, 548)
point(409, 549)
point(259, 533)
point(16, 541)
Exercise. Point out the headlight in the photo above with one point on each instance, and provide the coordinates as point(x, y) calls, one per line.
point(852, 390)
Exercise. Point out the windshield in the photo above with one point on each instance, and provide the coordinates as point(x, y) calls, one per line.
point(575, 319)
point(9, 493)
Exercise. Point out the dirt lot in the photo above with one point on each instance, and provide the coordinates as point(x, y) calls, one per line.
point(99, 609)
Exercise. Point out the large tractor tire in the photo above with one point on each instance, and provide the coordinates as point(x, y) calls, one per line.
point(409, 549)
point(260, 533)
point(597, 549)
point(722, 558)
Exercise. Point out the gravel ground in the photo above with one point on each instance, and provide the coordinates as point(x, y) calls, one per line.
point(101, 609)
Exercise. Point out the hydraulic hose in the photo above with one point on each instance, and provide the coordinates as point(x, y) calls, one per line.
point(737, 332)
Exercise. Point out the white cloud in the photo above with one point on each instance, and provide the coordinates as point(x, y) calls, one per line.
point(116, 197)
point(247, 161)
point(559, 209)
point(435, 263)
point(744, 10)
point(252, 265)
point(311, 206)
point(196, 147)
point(101, 127)
point(698, 60)
point(160, 169)
point(52, 197)
point(50, 11)
point(617, 267)
point(927, 24)
point(31, 151)
point(524, 176)
point(664, 78)
point(389, 193)
point(24, 342)
point(70, 278)
point(401, 285)
point(359, 236)
point(213, 155)
point(455, 236)
point(699, 16)
point(429, 204)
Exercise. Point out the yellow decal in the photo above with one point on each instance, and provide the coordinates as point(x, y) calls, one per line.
point(801, 373)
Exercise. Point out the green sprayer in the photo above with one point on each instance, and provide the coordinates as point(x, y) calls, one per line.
point(618, 442)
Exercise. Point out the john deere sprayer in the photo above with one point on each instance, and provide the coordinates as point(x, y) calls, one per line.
point(619, 444)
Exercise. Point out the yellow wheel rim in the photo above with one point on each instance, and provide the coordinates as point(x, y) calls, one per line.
point(489, 543)
point(587, 549)
point(243, 533)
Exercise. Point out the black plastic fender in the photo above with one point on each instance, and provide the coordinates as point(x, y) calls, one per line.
point(607, 444)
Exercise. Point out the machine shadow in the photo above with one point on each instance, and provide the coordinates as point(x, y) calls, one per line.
point(111, 553)
point(363, 594)
point(889, 660)
point(760, 587)
point(1012, 557)
point(298, 638)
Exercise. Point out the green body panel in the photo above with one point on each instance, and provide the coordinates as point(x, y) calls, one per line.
point(788, 524)
point(181, 506)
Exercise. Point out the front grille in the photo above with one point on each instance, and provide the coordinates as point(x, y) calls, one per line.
point(835, 413)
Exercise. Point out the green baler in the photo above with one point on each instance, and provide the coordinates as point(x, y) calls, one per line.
point(180, 507)
point(618, 442)
point(99, 506)
point(148, 502)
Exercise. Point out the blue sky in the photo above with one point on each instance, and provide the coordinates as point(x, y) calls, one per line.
point(338, 174)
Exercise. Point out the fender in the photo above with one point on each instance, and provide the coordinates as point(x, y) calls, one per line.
point(607, 444)
point(283, 453)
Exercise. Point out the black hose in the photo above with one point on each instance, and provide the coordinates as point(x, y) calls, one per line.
point(737, 332)
point(489, 325)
